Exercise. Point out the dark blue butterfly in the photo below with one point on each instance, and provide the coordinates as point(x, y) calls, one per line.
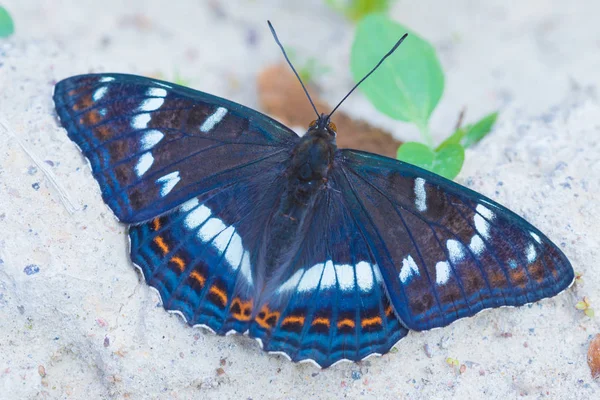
point(319, 253)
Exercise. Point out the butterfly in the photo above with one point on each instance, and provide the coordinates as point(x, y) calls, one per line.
point(321, 254)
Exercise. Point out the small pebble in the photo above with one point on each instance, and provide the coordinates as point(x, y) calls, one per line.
point(427, 350)
point(41, 371)
point(251, 37)
point(106, 341)
point(32, 170)
point(356, 375)
point(31, 269)
point(36, 186)
point(220, 371)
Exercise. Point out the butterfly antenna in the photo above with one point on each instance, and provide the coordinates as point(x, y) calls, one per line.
point(389, 53)
point(293, 69)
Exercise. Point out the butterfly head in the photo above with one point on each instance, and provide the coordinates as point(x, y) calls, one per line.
point(322, 125)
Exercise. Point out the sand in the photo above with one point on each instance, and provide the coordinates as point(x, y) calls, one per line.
point(76, 322)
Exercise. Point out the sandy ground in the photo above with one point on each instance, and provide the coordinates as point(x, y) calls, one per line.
point(77, 323)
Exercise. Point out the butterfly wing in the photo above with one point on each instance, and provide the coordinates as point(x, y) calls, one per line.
point(201, 256)
point(444, 251)
point(153, 145)
point(331, 304)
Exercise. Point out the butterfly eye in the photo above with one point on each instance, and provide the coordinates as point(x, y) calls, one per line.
point(332, 127)
point(312, 124)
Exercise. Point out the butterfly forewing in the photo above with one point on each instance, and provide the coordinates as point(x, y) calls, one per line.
point(446, 252)
point(153, 145)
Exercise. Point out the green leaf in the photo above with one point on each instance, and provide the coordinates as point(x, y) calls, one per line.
point(453, 362)
point(589, 312)
point(357, 9)
point(410, 83)
point(7, 27)
point(474, 133)
point(455, 138)
point(416, 154)
point(447, 161)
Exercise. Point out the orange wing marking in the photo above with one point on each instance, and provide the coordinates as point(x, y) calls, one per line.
point(389, 310)
point(195, 275)
point(293, 319)
point(180, 263)
point(220, 294)
point(321, 321)
point(161, 244)
point(346, 322)
point(266, 318)
point(370, 321)
point(241, 310)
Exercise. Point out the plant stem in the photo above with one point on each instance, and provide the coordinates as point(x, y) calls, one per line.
point(426, 135)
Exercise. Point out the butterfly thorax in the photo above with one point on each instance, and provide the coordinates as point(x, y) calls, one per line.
point(311, 161)
point(306, 177)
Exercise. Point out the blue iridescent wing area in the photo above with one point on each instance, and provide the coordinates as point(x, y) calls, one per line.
point(330, 302)
point(153, 145)
point(201, 256)
point(444, 251)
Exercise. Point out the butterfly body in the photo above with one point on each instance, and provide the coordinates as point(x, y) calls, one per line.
point(319, 253)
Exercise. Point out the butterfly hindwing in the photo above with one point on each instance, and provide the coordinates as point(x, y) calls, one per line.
point(200, 257)
point(445, 251)
point(331, 304)
point(153, 145)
